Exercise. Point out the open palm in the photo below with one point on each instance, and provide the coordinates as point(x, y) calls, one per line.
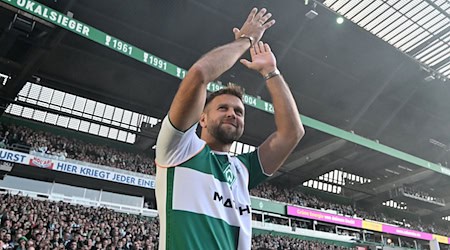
point(262, 59)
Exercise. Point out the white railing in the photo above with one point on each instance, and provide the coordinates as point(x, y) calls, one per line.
point(84, 202)
point(302, 232)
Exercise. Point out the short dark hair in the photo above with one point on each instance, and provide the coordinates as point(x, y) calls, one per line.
point(229, 90)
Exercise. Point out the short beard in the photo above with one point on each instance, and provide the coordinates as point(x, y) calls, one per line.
point(222, 136)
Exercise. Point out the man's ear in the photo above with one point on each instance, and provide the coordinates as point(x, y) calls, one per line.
point(203, 120)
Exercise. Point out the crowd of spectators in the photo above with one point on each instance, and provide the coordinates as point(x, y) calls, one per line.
point(295, 197)
point(420, 194)
point(62, 148)
point(27, 223)
point(276, 242)
point(271, 192)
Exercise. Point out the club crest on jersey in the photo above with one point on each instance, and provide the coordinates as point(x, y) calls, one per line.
point(229, 176)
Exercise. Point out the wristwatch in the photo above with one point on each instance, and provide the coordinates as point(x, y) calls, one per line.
point(251, 39)
point(272, 74)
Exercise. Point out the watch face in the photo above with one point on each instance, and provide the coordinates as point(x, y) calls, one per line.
point(272, 74)
point(251, 39)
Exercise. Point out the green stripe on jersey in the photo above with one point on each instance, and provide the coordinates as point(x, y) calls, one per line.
point(204, 161)
point(251, 162)
point(169, 198)
point(194, 232)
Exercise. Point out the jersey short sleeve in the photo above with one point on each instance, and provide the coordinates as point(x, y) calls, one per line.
point(254, 167)
point(174, 147)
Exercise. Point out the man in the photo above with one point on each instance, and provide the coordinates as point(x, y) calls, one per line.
point(201, 190)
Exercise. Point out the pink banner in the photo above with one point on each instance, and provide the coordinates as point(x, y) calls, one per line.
point(407, 232)
point(326, 217)
point(357, 223)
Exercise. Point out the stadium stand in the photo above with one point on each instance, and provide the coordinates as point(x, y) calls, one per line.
point(372, 94)
point(28, 222)
point(63, 148)
point(296, 197)
point(42, 224)
point(60, 147)
point(268, 241)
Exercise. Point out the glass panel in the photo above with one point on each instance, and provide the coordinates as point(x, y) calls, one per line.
point(233, 148)
point(62, 121)
point(84, 126)
point(239, 148)
point(153, 120)
point(80, 106)
point(122, 136)
point(108, 114)
point(90, 106)
point(25, 89)
point(80, 102)
point(16, 109)
point(126, 118)
point(92, 194)
point(69, 191)
point(134, 120)
point(245, 149)
point(27, 113)
point(57, 98)
point(51, 118)
point(113, 133)
point(131, 138)
point(34, 93)
point(99, 109)
point(26, 184)
point(394, 22)
point(69, 101)
point(121, 199)
point(74, 123)
point(117, 117)
point(103, 131)
point(46, 95)
point(94, 129)
point(39, 115)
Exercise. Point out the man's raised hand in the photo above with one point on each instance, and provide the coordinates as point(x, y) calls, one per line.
point(263, 60)
point(256, 24)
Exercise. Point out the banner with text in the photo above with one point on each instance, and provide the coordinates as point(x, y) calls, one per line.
point(441, 239)
point(145, 181)
point(406, 232)
point(77, 27)
point(325, 217)
point(358, 223)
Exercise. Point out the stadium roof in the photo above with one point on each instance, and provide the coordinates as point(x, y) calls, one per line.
point(420, 29)
point(371, 109)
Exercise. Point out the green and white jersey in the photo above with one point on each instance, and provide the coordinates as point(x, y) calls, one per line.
point(202, 196)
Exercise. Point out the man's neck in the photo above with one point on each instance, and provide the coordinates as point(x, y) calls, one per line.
point(217, 146)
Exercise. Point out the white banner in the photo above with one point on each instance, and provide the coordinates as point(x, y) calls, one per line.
point(140, 180)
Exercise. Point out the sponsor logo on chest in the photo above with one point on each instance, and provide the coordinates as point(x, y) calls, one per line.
point(228, 203)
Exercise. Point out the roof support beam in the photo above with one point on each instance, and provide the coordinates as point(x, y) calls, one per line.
point(298, 159)
point(41, 42)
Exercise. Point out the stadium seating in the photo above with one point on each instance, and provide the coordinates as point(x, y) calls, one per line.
point(25, 139)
